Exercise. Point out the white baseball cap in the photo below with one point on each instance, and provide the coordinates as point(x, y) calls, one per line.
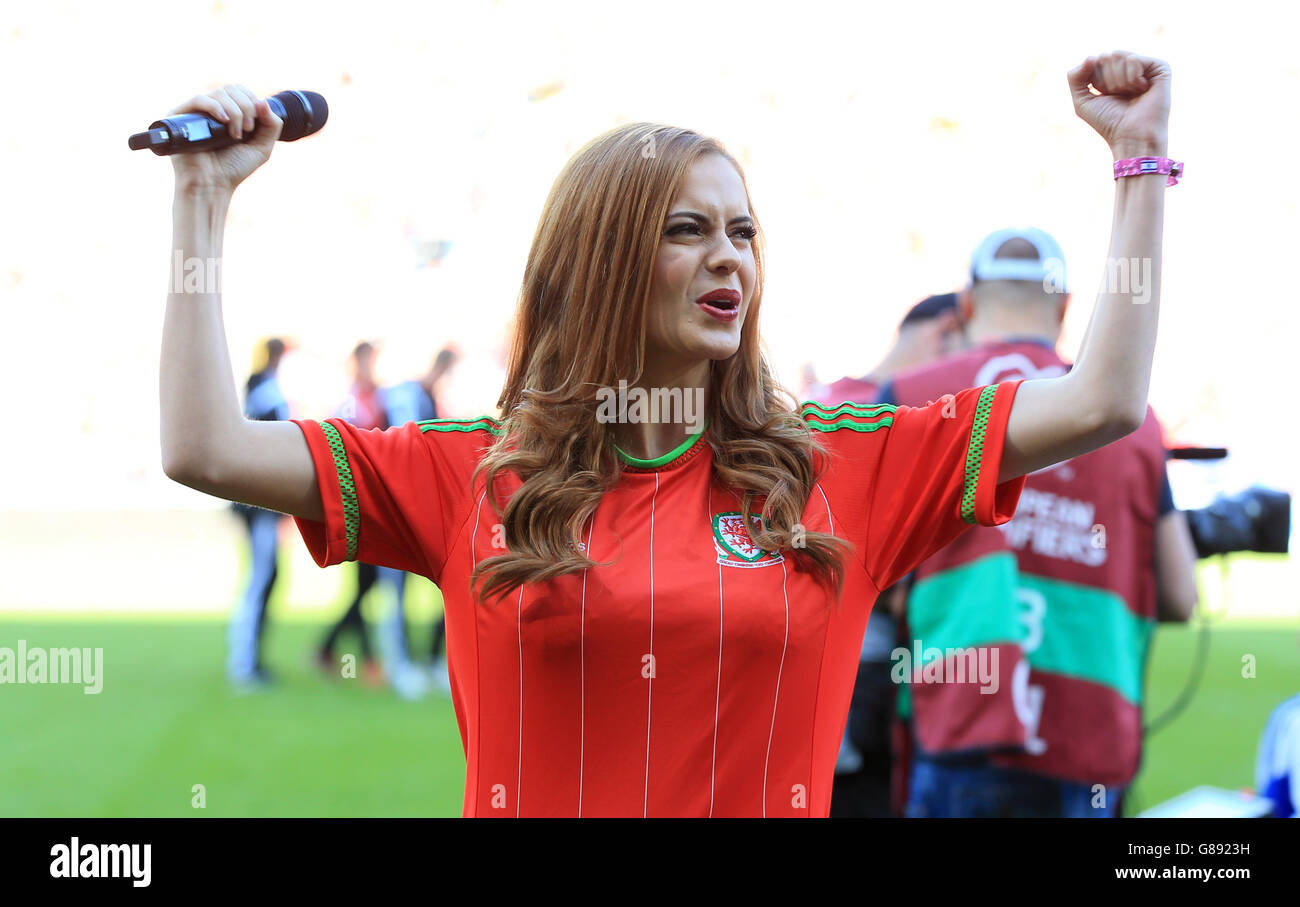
point(1048, 267)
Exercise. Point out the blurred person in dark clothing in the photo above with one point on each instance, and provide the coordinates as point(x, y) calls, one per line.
point(411, 401)
point(263, 400)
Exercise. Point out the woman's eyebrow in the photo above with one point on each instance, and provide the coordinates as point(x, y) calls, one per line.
point(704, 218)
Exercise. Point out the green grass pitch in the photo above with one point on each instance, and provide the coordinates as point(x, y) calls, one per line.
point(167, 721)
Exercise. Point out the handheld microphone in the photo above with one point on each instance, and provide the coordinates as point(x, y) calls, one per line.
point(1197, 453)
point(303, 112)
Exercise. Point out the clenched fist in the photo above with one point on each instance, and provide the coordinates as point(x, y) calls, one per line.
point(1130, 108)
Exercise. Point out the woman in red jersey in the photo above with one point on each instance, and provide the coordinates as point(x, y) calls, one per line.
point(656, 567)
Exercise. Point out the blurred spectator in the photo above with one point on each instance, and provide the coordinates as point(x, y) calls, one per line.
point(1277, 769)
point(411, 401)
point(263, 401)
point(364, 408)
point(930, 329)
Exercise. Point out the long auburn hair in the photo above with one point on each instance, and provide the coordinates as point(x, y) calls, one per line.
point(580, 326)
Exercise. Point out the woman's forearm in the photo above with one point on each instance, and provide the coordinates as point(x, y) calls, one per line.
point(1104, 396)
point(199, 406)
point(1113, 368)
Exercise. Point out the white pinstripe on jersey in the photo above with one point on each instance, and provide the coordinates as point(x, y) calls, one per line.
point(777, 697)
point(519, 634)
point(582, 661)
point(473, 557)
point(645, 797)
point(717, 689)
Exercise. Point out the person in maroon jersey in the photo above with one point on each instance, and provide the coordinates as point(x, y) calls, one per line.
point(1065, 594)
point(656, 567)
point(930, 329)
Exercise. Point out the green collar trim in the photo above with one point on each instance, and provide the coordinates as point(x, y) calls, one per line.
point(665, 459)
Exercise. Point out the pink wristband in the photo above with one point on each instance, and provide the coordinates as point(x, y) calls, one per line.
point(1135, 166)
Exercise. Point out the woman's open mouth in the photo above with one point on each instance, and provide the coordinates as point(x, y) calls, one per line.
point(723, 305)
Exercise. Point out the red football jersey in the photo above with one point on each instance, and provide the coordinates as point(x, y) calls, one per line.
point(691, 673)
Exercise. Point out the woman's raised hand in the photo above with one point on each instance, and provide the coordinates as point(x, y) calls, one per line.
point(245, 114)
point(1131, 111)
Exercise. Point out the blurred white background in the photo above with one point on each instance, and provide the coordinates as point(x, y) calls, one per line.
point(880, 142)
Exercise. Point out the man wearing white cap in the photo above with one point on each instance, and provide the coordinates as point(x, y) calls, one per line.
point(1059, 603)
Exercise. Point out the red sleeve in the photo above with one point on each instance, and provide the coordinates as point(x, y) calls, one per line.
point(938, 476)
point(391, 497)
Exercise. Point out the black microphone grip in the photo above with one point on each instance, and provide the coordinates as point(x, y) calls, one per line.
point(303, 113)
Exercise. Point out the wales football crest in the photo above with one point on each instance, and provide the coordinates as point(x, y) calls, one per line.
point(734, 546)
